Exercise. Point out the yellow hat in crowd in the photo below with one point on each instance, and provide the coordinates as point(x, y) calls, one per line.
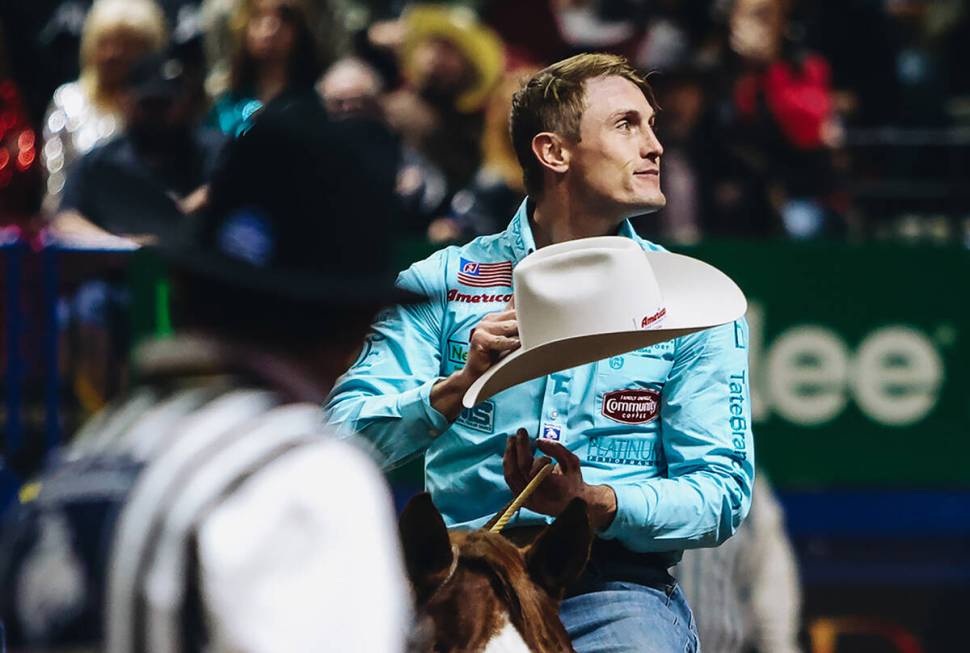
point(459, 26)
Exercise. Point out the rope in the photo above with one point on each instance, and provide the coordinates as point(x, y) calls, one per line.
point(522, 498)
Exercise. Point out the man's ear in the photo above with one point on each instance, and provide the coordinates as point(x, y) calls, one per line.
point(552, 151)
point(561, 552)
point(427, 549)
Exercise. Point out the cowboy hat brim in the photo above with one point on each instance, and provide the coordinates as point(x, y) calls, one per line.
point(697, 295)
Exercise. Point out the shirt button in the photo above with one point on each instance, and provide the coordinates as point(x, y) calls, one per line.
point(553, 413)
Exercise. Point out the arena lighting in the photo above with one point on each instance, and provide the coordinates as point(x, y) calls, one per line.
point(26, 140)
point(24, 159)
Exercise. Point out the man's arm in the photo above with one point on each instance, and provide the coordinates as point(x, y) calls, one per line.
point(708, 446)
point(393, 395)
point(385, 396)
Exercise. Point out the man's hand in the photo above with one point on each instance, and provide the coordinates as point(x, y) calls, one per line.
point(495, 336)
point(561, 486)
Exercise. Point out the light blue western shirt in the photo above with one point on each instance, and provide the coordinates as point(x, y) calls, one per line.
point(668, 427)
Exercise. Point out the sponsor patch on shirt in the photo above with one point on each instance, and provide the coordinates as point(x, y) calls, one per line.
point(484, 275)
point(551, 432)
point(464, 298)
point(632, 406)
point(479, 418)
point(457, 352)
point(621, 451)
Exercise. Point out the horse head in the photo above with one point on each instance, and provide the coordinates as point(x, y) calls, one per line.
point(476, 592)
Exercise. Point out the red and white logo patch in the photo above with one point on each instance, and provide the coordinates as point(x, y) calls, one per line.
point(632, 406)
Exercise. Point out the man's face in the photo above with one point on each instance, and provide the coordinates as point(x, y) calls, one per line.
point(615, 167)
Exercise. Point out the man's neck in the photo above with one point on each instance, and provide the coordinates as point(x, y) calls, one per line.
point(557, 220)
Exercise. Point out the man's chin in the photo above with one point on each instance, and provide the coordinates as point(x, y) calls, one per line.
point(645, 205)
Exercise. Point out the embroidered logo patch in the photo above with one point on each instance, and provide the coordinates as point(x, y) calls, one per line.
point(621, 451)
point(551, 432)
point(457, 352)
point(480, 418)
point(485, 275)
point(631, 406)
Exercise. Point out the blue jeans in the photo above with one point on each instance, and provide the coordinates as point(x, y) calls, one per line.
point(612, 616)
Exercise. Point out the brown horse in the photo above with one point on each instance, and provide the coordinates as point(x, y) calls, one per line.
point(476, 592)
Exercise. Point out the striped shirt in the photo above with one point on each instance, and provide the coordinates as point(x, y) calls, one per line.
point(228, 497)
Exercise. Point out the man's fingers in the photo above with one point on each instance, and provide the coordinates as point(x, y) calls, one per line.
point(523, 452)
point(538, 464)
point(510, 467)
point(484, 341)
point(499, 328)
point(501, 316)
point(567, 460)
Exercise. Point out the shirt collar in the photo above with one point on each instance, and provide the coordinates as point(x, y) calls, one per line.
point(522, 242)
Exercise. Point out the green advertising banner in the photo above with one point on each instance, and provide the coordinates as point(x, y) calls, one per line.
point(859, 360)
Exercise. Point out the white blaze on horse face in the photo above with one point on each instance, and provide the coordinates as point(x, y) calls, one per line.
point(508, 640)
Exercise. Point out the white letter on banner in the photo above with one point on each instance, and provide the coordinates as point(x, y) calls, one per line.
point(807, 372)
point(897, 376)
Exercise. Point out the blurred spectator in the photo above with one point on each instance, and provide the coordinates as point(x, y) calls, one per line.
point(451, 63)
point(775, 128)
point(352, 88)
point(352, 91)
point(87, 112)
point(275, 50)
point(525, 43)
point(746, 594)
point(44, 37)
point(487, 204)
point(209, 510)
point(136, 184)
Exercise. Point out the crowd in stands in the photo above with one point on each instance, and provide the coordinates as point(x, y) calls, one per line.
point(779, 118)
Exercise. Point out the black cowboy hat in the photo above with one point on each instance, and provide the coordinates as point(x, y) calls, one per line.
point(300, 208)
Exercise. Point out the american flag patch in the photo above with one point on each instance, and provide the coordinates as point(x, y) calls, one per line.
point(485, 275)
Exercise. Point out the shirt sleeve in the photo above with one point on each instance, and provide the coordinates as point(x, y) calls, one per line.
point(304, 556)
point(385, 397)
point(708, 446)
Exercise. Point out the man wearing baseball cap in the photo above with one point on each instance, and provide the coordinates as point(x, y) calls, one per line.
point(657, 440)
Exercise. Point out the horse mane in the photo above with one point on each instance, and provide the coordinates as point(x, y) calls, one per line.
point(532, 612)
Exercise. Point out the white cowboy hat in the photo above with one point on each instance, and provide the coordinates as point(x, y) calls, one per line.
point(589, 299)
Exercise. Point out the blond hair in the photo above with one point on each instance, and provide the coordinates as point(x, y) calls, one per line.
point(553, 100)
point(143, 17)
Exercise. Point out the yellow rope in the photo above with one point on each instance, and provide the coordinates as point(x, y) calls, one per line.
point(522, 498)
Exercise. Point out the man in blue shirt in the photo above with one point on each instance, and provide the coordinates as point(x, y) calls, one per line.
point(675, 473)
